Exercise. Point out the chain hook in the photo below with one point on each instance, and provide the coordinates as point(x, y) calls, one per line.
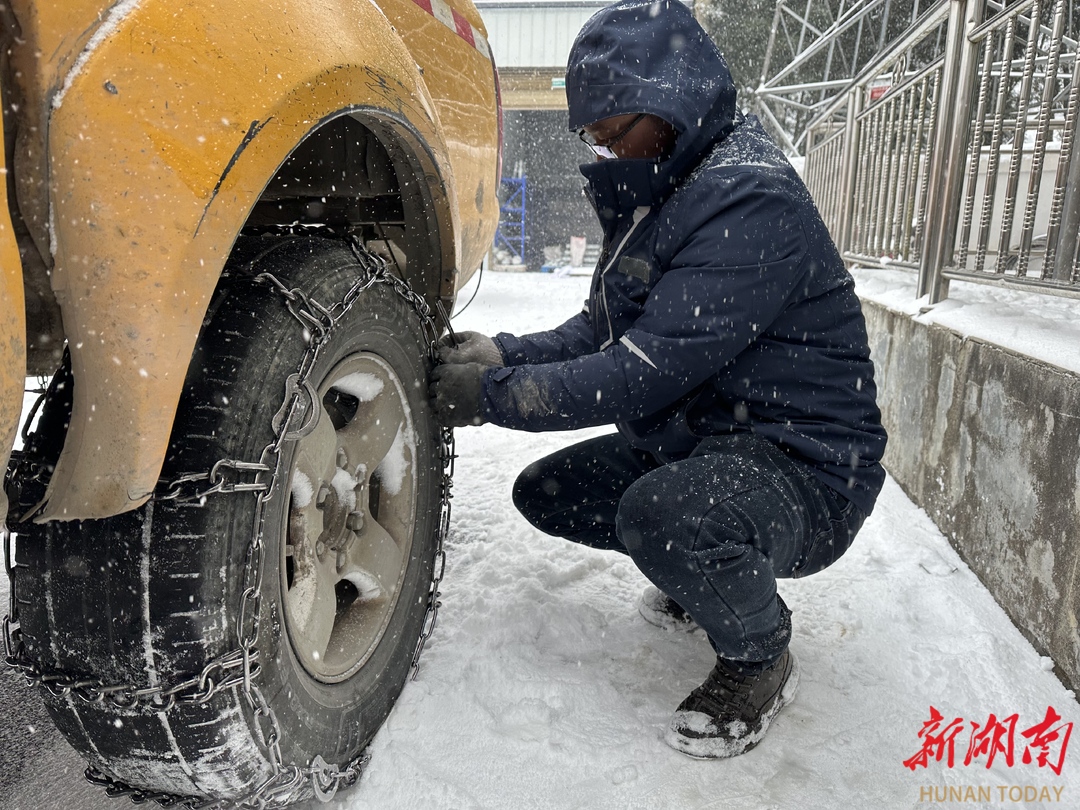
point(294, 387)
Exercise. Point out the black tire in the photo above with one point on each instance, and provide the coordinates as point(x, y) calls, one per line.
point(148, 597)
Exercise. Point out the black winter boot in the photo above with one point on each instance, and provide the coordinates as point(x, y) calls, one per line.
point(730, 712)
point(659, 609)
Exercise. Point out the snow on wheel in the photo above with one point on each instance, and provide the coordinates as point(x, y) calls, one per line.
point(300, 538)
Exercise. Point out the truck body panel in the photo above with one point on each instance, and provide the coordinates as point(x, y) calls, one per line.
point(156, 128)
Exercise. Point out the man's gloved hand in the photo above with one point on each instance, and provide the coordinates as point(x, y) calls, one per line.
point(472, 347)
point(455, 392)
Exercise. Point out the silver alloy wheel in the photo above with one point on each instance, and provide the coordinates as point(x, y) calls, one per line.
point(351, 518)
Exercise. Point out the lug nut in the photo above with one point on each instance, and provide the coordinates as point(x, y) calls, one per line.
point(320, 548)
point(320, 499)
point(355, 521)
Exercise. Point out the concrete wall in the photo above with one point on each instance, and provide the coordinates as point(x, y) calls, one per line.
point(987, 441)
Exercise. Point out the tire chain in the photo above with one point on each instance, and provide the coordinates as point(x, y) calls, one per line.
point(240, 667)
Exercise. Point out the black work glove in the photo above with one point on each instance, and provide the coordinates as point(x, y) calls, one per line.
point(472, 347)
point(455, 392)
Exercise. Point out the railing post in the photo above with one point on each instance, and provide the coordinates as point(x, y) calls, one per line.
point(1063, 237)
point(1070, 224)
point(950, 145)
point(851, 162)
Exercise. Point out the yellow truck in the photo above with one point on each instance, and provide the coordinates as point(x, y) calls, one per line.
point(232, 231)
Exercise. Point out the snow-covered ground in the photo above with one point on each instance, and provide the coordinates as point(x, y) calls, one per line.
point(543, 688)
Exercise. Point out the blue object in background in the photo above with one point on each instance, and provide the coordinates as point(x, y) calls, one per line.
point(511, 232)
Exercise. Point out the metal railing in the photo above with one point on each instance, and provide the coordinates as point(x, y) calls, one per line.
point(953, 153)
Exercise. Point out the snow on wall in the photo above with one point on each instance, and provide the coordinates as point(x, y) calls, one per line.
point(1043, 327)
point(981, 396)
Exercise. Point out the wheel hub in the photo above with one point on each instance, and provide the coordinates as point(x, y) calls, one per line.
point(351, 518)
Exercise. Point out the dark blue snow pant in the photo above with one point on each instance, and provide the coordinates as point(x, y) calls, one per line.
point(713, 531)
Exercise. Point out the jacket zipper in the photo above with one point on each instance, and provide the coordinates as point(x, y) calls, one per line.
point(639, 215)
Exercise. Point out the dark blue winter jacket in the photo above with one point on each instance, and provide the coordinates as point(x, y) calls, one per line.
point(720, 303)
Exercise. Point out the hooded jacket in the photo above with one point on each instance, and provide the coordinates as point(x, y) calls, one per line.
point(720, 303)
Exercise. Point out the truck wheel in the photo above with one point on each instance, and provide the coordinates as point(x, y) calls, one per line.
point(345, 558)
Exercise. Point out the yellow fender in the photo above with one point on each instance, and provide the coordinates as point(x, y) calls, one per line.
point(161, 139)
point(12, 333)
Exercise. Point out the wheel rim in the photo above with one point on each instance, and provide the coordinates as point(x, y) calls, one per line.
point(351, 518)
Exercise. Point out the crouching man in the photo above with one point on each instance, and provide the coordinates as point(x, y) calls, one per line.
point(723, 337)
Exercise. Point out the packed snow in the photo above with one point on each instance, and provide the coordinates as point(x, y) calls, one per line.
point(302, 489)
point(394, 468)
point(543, 688)
point(365, 387)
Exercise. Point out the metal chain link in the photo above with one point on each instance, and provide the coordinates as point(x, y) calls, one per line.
point(240, 667)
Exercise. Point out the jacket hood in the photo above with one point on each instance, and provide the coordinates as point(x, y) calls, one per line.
point(649, 56)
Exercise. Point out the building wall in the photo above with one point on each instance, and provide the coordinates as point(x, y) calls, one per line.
point(535, 34)
point(530, 41)
point(987, 441)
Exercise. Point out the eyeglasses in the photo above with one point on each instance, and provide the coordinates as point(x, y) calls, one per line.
point(604, 149)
